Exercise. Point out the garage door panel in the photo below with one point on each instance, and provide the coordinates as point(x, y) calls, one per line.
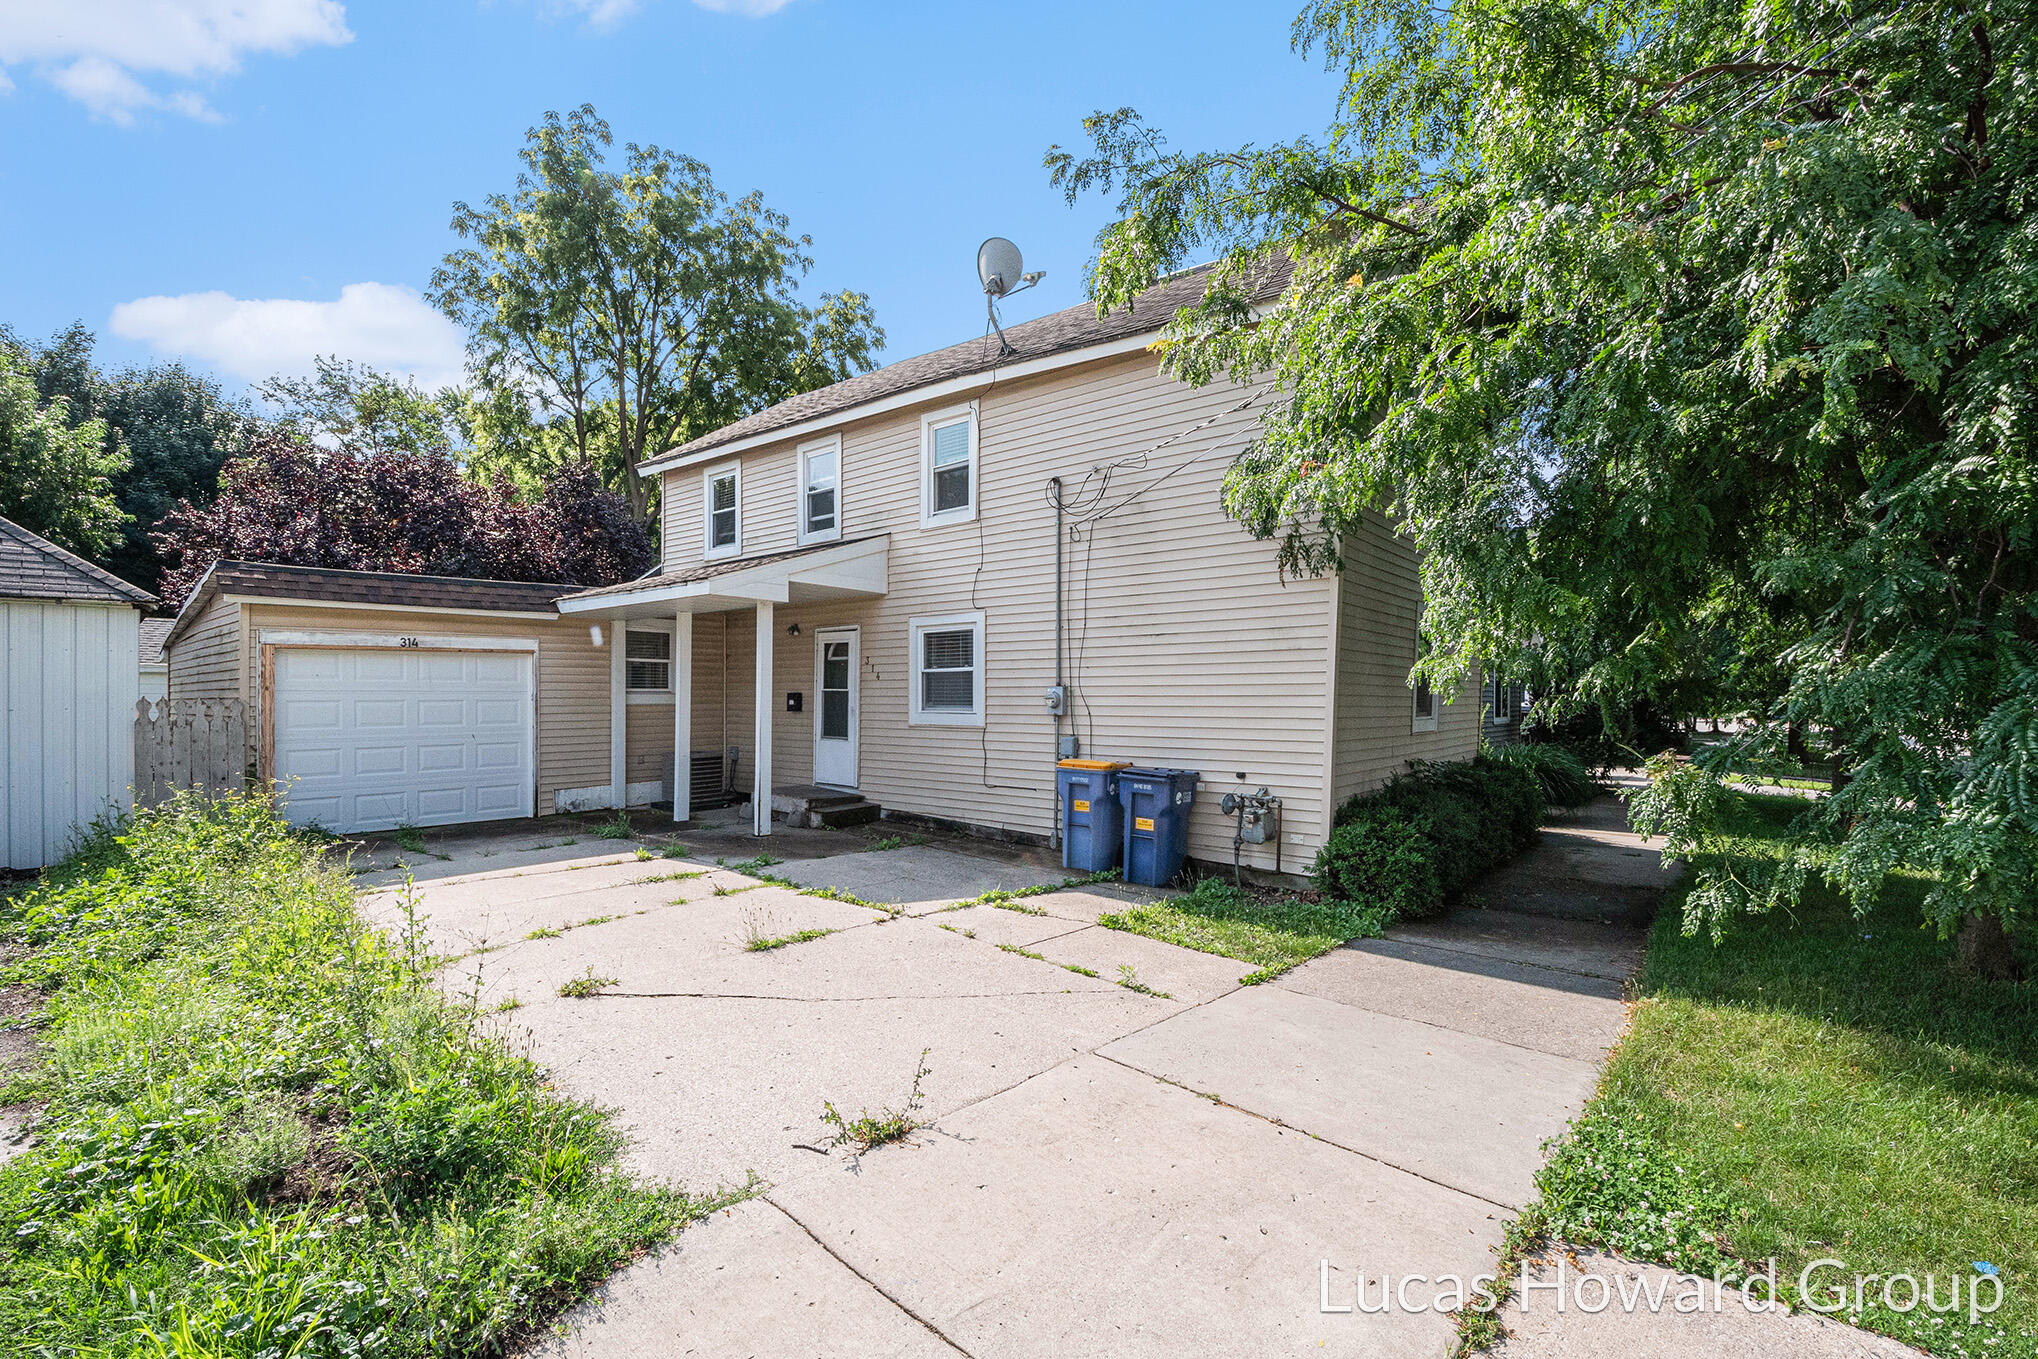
point(373, 760)
point(378, 738)
point(309, 763)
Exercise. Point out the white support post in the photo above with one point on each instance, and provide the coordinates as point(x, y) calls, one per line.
point(619, 716)
point(760, 797)
point(682, 718)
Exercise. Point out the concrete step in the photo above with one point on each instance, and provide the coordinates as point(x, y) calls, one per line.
point(815, 807)
point(857, 813)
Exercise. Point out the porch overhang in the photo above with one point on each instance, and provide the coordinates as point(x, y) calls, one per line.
point(820, 573)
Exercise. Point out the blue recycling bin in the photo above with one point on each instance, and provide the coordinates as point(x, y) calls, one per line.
point(1090, 832)
point(1155, 805)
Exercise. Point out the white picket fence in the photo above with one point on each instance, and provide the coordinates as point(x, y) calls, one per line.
point(184, 743)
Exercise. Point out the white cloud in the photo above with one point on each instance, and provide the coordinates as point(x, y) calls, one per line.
point(380, 324)
point(97, 51)
point(756, 9)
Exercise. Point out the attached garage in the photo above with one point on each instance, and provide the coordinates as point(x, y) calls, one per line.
point(379, 700)
point(368, 737)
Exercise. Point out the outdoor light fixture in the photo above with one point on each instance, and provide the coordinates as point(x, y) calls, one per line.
point(793, 631)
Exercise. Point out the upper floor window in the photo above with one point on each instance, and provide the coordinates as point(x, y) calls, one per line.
point(820, 507)
point(721, 511)
point(647, 661)
point(948, 466)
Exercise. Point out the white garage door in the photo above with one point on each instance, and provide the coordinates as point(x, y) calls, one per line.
point(366, 740)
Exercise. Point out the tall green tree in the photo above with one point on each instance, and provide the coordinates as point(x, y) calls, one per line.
point(56, 477)
point(359, 410)
point(176, 428)
point(638, 305)
point(1648, 319)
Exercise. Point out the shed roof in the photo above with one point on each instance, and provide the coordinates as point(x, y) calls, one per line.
point(155, 631)
point(1072, 328)
point(33, 567)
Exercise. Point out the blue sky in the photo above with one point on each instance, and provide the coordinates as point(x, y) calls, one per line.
point(242, 184)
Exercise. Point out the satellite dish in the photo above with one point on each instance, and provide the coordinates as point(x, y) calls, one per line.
point(999, 266)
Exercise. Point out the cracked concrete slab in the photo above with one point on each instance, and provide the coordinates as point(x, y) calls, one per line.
point(1565, 1013)
point(1184, 974)
point(1586, 947)
point(748, 1281)
point(995, 925)
point(725, 1068)
point(1456, 1108)
point(497, 917)
point(921, 878)
point(1095, 1211)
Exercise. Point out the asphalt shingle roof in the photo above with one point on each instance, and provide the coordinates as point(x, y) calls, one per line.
point(1077, 327)
point(270, 580)
point(155, 631)
point(708, 570)
point(33, 567)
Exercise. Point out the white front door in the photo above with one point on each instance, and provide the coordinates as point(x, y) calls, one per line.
point(835, 666)
point(374, 738)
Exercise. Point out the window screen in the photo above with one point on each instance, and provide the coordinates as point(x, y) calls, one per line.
point(835, 690)
point(819, 502)
point(948, 670)
point(722, 511)
point(647, 660)
point(951, 467)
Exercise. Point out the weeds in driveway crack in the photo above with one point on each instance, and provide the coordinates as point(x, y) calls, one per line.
point(583, 987)
point(765, 945)
point(1129, 979)
point(616, 827)
point(868, 1130)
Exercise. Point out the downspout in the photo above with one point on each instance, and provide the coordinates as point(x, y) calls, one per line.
point(1054, 490)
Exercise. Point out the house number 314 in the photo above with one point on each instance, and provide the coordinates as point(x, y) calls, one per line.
point(409, 641)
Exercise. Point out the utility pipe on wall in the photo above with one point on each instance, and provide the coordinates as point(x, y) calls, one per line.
point(1060, 681)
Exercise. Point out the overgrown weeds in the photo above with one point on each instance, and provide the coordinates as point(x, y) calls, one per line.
point(867, 1129)
point(265, 1132)
point(1273, 932)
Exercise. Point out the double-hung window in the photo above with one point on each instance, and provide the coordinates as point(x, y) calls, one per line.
point(948, 671)
point(722, 511)
point(1503, 699)
point(647, 661)
point(820, 508)
point(948, 467)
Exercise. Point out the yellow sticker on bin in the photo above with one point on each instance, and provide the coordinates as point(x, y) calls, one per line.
point(1080, 804)
point(1142, 823)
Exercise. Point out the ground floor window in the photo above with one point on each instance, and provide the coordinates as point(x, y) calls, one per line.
point(647, 657)
point(948, 670)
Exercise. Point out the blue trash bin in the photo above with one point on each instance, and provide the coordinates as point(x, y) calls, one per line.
point(1156, 806)
point(1090, 832)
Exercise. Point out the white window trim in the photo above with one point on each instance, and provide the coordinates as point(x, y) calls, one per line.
point(967, 513)
point(918, 716)
point(1420, 722)
point(831, 444)
point(708, 480)
point(637, 697)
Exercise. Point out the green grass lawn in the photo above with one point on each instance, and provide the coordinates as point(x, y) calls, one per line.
point(1824, 1085)
point(263, 1130)
point(1273, 934)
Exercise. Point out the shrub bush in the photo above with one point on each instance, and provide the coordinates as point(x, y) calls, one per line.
point(1471, 816)
point(1565, 780)
point(1381, 857)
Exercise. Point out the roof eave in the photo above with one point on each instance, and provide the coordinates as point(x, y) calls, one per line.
point(940, 390)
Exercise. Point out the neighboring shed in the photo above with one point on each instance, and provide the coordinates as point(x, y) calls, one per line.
point(68, 684)
point(155, 671)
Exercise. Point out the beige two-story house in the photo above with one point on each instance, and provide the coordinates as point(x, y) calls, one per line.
point(922, 585)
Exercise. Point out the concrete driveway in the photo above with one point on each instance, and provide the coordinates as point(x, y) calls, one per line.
point(1106, 1171)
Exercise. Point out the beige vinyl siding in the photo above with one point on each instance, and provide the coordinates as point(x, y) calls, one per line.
point(572, 677)
point(1186, 646)
point(205, 661)
point(1375, 714)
